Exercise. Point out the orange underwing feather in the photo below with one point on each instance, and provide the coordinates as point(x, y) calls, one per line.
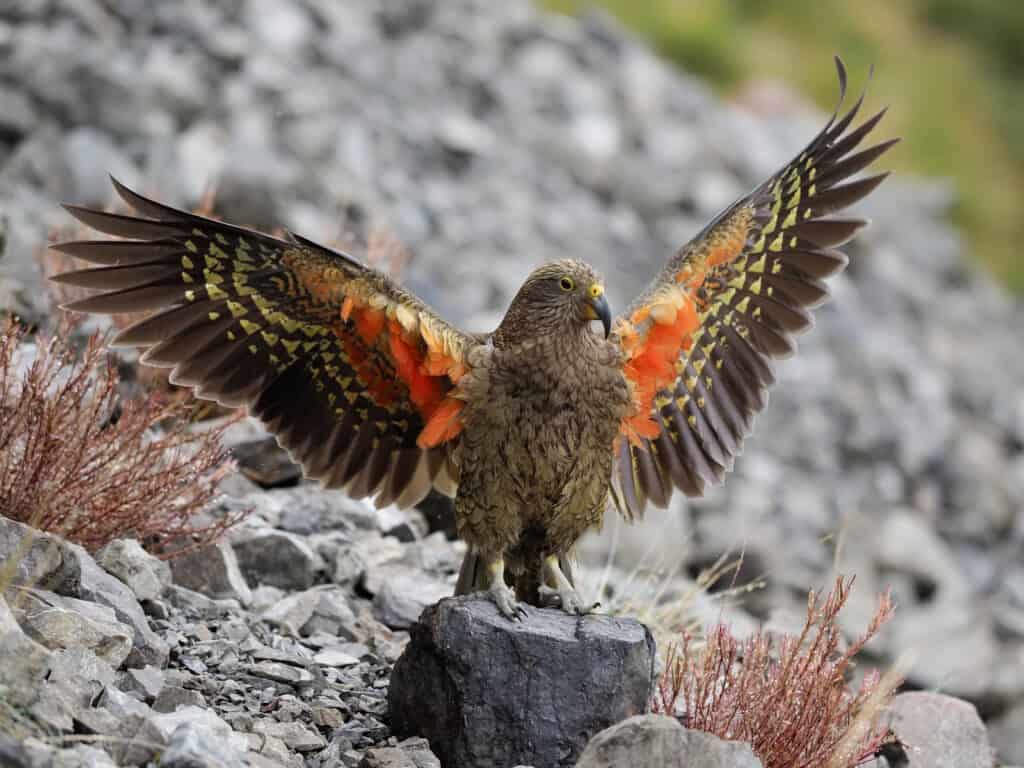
point(652, 365)
point(443, 425)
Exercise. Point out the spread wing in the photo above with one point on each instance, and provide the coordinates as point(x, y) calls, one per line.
point(698, 344)
point(357, 378)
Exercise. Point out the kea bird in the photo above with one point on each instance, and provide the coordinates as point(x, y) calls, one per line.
point(535, 428)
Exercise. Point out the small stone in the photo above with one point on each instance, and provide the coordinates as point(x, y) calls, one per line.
point(266, 463)
point(173, 698)
point(212, 570)
point(295, 735)
point(82, 674)
point(277, 558)
point(327, 717)
point(332, 614)
point(335, 657)
point(98, 720)
point(194, 737)
point(655, 741)
point(419, 750)
point(276, 750)
point(405, 525)
point(293, 611)
point(145, 575)
point(939, 730)
point(145, 683)
point(41, 559)
point(281, 673)
point(97, 586)
point(123, 706)
point(67, 626)
point(24, 663)
point(348, 564)
point(386, 757)
point(461, 134)
point(402, 598)
point(196, 602)
point(201, 743)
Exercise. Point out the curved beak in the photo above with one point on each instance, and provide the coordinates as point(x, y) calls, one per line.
point(597, 308)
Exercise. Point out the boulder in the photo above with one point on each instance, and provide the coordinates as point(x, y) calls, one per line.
point(485, 690)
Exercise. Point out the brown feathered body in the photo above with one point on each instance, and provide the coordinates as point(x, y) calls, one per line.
point(536, 452)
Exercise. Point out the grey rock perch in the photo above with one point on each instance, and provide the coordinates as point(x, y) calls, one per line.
point(486, 691)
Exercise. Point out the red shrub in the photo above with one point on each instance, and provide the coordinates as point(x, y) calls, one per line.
point(77, 460)
point(789, 699)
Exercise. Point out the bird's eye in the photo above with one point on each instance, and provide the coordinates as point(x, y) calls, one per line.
point(567, 284)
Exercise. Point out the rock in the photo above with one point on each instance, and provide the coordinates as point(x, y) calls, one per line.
point(938, 730)
point(266, 463)
point(275, 751)
point(173, 698)
point(212, 570)
point(81, 674)
point(58, 622)
point(145, 683)
point(96, 586)
point(386, 757)
point(419, 750)
point(293, 611)
point(335, 657)
point(193, 737)
point(295, 735)
point(405, 525)
point(24, 663)
point(145, 575)
point(202, 744)
point(281, 673)
point(654, 741)
point(332, 614)
point(123, 706)
point(468, 682)
point(1007, 735)
point(380, 558)
point(277, 558)
point(402, 598)
point(199, 604)
point(13, 754)
point(41, 560)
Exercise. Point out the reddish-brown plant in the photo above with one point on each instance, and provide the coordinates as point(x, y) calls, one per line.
point(789, 697)
point(78, 460)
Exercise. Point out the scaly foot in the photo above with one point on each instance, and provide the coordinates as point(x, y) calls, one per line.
point(562, 595)
point(568, 600)
point(505, 598)
point(502, 594)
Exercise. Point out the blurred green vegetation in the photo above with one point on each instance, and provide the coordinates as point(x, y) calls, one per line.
point(952, 70)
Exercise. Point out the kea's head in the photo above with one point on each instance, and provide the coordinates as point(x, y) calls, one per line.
point(559, 297)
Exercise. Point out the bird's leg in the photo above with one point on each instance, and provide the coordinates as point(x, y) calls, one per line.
point(559, 591)
point(501, 593)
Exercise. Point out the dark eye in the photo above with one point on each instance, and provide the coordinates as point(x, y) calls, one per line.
point(566, 283)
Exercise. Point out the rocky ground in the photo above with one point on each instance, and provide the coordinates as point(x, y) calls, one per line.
point(489, 137)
